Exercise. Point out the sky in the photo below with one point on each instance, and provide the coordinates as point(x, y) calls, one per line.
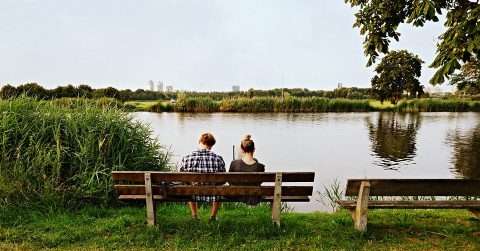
point(197, 45)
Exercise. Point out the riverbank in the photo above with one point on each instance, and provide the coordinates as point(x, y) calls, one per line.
point(239, 228)
point(304, 105)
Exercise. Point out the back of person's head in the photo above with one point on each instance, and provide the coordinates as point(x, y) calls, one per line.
point(207, 139)
point(247, 144)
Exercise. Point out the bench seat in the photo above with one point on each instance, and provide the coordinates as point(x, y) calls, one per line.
point(153, 187)
point(461, 190)
point(414, 204)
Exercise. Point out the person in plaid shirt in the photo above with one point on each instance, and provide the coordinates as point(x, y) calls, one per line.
point(204, 160)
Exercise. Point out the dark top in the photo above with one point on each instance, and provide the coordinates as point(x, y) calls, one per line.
point(240, 166)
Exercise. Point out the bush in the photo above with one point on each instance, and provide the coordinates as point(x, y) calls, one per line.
point(61, 153)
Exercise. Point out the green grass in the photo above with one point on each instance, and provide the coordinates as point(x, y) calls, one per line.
point(309, 104)
point(142, 105)
point(62, 152)
point(239, 228)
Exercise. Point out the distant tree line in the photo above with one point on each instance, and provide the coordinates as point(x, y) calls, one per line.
point(350, 93)
point(70, 91)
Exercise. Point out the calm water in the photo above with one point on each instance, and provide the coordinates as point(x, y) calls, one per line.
point(336, 146)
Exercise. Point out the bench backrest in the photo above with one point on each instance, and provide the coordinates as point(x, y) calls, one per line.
point(132, 183)
point(416, 187)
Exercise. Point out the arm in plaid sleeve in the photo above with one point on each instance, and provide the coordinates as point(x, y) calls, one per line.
point(221, 165)
point(182, 165)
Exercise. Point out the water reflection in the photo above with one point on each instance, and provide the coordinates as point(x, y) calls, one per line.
point(393, 138)
point(466, 152)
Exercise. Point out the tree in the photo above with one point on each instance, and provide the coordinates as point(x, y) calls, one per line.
point(378, 20)
point(85, 91)
point(398, 72)
point(33, 90)
point(468, 79)
point(8, 91)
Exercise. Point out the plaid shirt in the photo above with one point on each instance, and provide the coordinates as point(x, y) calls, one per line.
point(203, 161)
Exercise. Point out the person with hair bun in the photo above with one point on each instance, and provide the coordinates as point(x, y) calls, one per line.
point(247, 164)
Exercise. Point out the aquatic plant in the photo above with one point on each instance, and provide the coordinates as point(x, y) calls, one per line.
point(62, 152)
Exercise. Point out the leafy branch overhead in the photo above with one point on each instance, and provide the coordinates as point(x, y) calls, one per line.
point(378, 21)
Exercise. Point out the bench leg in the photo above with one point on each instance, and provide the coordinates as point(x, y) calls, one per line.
point(352, 212)
point(150, 203)
point(361, 211)
point(277, 199)
point(475, 212)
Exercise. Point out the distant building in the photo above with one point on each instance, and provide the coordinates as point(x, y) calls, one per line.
point(169, 88)
point(160, 86)
point(151, 85)
point(235, 88)
point(340, 85)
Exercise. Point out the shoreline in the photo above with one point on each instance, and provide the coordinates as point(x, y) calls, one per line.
point(303, 105)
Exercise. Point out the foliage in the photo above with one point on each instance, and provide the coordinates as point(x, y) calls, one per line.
point(331, 194)
point(62, 152)
point(379, 20)
point(437, 105)
point(293, 104)
point(70, 91)
point(468, 80)
point(398, 72)
point(262, 104)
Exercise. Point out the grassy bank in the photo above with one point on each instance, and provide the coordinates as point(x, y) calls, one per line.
point(62, 152)
point(237, 229)
point(299, 105)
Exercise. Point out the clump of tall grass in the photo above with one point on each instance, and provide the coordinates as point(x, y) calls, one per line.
point(62, 152)
point(331, 194)
point(438, 105)
point(293, 104)
point(161, 107)
point(200, 104)
point(264, 104)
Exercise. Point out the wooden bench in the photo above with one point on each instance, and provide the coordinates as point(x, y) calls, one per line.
point(177, 187)
point(363, 188)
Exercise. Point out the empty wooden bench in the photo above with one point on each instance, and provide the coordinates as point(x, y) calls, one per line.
point(177, 187)
point(363, 188)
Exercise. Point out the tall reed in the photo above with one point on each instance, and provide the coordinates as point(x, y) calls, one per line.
point(438, 105)
point(62, 152)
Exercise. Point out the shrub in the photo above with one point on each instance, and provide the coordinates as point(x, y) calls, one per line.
point(60, 153)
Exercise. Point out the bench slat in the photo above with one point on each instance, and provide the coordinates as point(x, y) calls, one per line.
point(416, 187)
point(419, 204)
point(185, 190)
point(185, 199)
point(138, 176)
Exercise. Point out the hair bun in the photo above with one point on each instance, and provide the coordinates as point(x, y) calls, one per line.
point(247, 137)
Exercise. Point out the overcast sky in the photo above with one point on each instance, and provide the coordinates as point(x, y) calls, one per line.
point(191, 44)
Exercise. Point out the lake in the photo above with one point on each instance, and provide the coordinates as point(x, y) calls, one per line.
point(336, 146)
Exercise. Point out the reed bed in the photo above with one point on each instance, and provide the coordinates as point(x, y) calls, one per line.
point(263, 104)
point(438, 105)
point(62, 152)
point(313, 104)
